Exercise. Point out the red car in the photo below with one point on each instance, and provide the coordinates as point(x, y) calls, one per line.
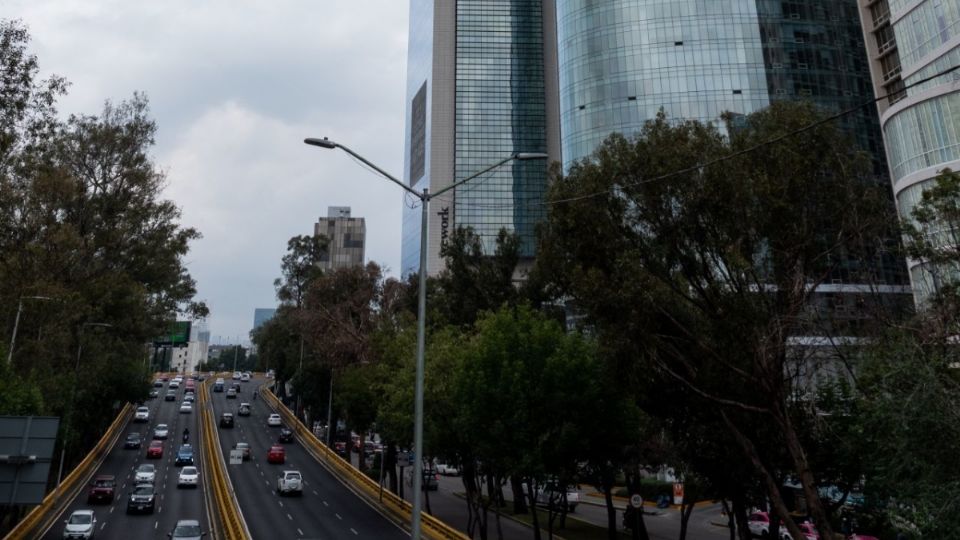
point(101, 489)
point(155, 450)
point(276, 454)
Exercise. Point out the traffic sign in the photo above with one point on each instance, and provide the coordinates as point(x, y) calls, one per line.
point(236, 457)
point(636, 500)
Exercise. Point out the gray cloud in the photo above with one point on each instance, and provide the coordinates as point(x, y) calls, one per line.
point(235, 86)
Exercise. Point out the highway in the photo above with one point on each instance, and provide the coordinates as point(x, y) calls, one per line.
point(327, 509)
point(172, 504)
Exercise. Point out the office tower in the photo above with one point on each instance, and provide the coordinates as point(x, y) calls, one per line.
point(346, 238)
point(481, 86)
point(262, 315)
point(908, 41)
point(621, 61)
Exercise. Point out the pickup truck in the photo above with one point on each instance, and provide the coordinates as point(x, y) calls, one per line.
point(290, 482)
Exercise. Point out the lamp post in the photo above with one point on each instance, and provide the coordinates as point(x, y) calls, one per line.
point(16, 324)
point(73, 393)
point(425, 198)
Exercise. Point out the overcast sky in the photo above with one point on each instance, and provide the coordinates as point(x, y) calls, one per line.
point(235, 86)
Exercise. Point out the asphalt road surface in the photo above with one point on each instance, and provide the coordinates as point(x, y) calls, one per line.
point(327, 509)
point(171, 504)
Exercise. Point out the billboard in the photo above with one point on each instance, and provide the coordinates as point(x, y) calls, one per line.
point(26, 448)
point(178, 335)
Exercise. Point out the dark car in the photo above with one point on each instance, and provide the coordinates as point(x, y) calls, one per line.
point(184, 455)
point(101, 489)
point(285, 435)
point(171, 395)
point(141, 499)
point(226, 420)
point(158, 383)
point(133, 441)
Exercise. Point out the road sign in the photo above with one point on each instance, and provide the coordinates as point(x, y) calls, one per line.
point(678, 493)
point(236, 457)
point(404, 459)
point(636, 500)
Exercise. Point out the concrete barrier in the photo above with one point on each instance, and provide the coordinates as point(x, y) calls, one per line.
point(43, 516)
point(396, 508)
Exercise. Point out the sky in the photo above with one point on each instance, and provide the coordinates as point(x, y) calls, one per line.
point(235, 86)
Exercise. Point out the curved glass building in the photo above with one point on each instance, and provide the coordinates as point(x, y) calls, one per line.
point(908, 41)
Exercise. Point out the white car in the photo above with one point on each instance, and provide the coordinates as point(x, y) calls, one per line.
point(274, 420)
point(244, 377)
point(190, 396)
point(290, 482)
point(447, 469)
point(80, 524)
point(173, 384)
point(146, 474)
point(186, 407)
point(188, 477)
point(161, 431)
point(236, 375)
point(141, 415)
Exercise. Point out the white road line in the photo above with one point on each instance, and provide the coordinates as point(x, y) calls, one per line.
point(354, 531)
point(315, 492)
point(325, 503)
point(338, 515)
point(289, 517)
point(280, 503)
point(266, 482)
point(103, 525)
point(112, 508)
point(156, 524)
point(300, 531)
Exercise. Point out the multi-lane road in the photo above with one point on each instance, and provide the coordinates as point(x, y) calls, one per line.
point(326, 510)
point(172, 504)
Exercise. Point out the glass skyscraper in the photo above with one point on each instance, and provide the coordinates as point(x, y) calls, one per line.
point(621, 61)
point(481, 81)
point(908, 41)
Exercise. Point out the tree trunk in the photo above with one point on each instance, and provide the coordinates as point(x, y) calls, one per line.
point(611, 513)
point(533, 508)
point(740, 516)
point(390, 465)
point(731, 523)
point(802, 466)
point(519, 497)
point(361, 461)
point(686, 509)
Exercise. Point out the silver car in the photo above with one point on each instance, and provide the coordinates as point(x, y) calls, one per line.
point(146, 473)
point(80, 524)
point(187, 529)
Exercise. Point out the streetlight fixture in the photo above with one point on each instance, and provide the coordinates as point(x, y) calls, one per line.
point(16, 324)
point(425, 198)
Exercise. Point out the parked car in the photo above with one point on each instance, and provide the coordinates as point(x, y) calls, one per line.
point(808, 530)
point(447, 469)
point(243, 410)
point(141, 499)
point(101, 489)
point(226, 420)
point(243, 447)
point(146, 473)
point(155, 450)
point(286, 435)
point(142, 414)
point(133, 441)
point(274, 420)
point(184, 455)
point(80, 524)
point(186, 407)
point(161, 431)
point(290, 482)
point(340, 447)
point(759, 524)
point(188, 477)
point(232, 393)
point(550, 491)
point(276, 454)
point(187, 529)
point(431, 479)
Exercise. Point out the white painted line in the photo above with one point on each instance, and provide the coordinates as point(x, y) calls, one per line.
point(103, 525)
point(289, 517)
point(156, 524)
point(315, 492)
point(280, 503)
point(338, 515)
point(300, 531)
point(354, 531)
point(325, 503)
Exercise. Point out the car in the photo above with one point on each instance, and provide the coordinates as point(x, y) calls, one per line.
point(141, 499)
point(190, 396)
point(218, 387)
point(237, 387)
point(808, 530)
point(184, 455)
point(153, 394)
point(244, 377)
point(170, 396)
point(155, 450)
point(164, 378)
point(142, 414)
point(290, 483)
point(286, 436)
point(340, 447)
point(133, 441)
point(274, 420)
point(101, 489)
point(186, 407)
point(158, 383)
point(188, 477)
point(174, 384)
point(276, 454)
point(243, 447)
point(236, 375)
point(80, 524)
point(161, 431)
point(218, 380)
point(551, 491)
point(186, 529)
point(231, 394)
point(446, 468)
point(244, 409)
point(146, 473)
point(226, 420)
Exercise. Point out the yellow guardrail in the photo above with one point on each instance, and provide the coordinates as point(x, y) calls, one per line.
point(233, 526)
point(398, 508)
point(42, 516)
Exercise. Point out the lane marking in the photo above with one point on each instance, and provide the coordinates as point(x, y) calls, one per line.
point(112, 508)
point(104, 525)
point(338, 515)
point(354, 531)
point(156, 524)
point(280, 503)
point(324, 502)
point(315, 492)
point(300, 531)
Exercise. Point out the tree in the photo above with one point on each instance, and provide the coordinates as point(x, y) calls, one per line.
point(700, 275)
point(300, 267)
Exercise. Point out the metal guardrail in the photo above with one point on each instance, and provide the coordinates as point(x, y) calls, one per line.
point(43, 515)
point(399, 509)
point(232, 524)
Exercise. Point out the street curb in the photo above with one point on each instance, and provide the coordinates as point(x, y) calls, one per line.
point(511, 518)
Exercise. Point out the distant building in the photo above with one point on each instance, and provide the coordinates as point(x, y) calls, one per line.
point(262, 315)
point(346, 238)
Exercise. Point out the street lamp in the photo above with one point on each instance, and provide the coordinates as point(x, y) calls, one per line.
point(425, 198)
point(73, 393)
point(16, 324)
